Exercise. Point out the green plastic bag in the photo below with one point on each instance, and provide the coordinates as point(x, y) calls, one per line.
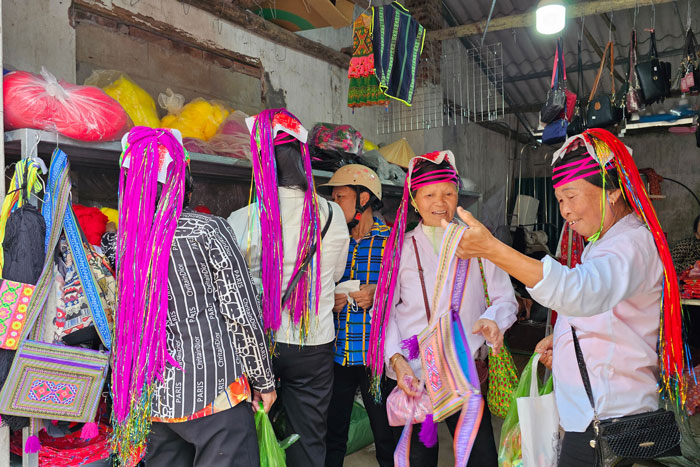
point(360, 431)
point(271, 450)
point(509, 452)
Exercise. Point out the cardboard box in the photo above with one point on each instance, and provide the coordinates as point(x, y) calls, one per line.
point(301, 15)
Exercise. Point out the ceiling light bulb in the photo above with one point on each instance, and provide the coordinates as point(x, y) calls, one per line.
point(550, 16)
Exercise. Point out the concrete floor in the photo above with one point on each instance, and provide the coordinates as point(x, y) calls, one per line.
point(366, 457)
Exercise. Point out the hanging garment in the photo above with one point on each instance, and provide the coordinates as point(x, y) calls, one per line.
point(397, 40)
point(364, 86)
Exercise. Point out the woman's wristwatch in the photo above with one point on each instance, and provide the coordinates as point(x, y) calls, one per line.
point(396, 356)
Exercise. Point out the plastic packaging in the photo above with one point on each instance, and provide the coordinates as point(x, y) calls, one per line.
point(401, 407)
point(197, 119)
point(233, 138)
point(139, 105)
point(271, 453)
point(341, 138)
point(510, 450)
point(387, 172)
point(42, 102)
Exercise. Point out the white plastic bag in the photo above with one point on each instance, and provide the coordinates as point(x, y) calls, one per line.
point(539, 425)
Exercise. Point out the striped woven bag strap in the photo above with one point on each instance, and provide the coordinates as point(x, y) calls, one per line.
point(57, 193)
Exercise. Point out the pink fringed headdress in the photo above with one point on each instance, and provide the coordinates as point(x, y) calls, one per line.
point(264, 137)
point(144, 239)
point(391, 258)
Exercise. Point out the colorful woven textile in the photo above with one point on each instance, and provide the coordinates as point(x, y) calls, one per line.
point(14, 302)
point(397, 41)
point(364, 86)
point(69, 450)
point(503, 380)
point(57, 382)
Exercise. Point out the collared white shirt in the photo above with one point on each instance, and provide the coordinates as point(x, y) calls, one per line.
point(613, 300)
point(408, 316)
point(334, 251)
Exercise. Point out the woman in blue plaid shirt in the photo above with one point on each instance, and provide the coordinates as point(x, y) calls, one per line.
point(358, 191)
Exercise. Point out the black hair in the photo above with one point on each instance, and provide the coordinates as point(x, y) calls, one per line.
point(374, 202)
point(290, 168)
point(695, 224)
point(189, 187)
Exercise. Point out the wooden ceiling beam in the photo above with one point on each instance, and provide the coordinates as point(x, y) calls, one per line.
point(259, 26)
point(236, 15)
point(524, 20)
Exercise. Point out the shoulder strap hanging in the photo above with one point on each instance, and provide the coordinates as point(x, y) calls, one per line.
point(305, 264)
point(579, 65)
point(691, 45)
point(58, 178)
point(631, 75)
point(609, 46)
point(555, 68)
point(483, 280)
point(584, 372)
point(652, 46)
point(562, 60)
point(422, 280)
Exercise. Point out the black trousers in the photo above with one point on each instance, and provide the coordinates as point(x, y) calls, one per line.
point(306, 375)
point(346, 379)
point(226, 438)
point(483, 453)
point(576, 450)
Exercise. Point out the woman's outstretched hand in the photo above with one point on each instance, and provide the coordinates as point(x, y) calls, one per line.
point(489, 329)
point(477, 241)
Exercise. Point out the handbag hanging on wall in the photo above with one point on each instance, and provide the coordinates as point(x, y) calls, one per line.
point(556, 96)
point(654, 76)
point(602, 110)
point(690, 67)
point(633, 101)
point(577, 123)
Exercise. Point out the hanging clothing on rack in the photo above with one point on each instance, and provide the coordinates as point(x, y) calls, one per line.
point(397, 40)
point(364, 86)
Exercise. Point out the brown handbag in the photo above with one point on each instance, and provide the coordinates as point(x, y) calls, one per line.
point(602, 110)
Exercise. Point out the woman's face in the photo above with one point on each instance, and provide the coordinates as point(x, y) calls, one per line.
point(579, 205)
point(436, 202)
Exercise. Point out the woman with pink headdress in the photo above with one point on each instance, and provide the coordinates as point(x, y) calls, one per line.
point(405, 293)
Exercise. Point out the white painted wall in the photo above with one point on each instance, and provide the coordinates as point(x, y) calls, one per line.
point(37, 33)
point(315, 90)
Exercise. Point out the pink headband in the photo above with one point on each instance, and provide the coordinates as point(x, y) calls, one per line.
point(576, 170)
point(436, 176)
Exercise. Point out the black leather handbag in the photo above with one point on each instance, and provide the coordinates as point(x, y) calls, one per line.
point(654, 76)
point(633, 437)
point(603, 110)
point(556, 96)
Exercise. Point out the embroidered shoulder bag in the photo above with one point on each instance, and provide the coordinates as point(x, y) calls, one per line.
point(449, 371)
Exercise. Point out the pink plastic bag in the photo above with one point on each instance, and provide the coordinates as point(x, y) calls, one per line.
point(401, 407)
point(42, 102)
point(232, 138)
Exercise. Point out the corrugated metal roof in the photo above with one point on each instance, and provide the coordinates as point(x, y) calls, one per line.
point(527, 52)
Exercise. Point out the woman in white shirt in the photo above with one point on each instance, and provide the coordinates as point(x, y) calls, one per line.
point(434, 185)
point(612, 299)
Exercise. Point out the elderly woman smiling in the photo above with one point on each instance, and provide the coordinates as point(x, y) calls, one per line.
point(611, 300)
point(433, 185)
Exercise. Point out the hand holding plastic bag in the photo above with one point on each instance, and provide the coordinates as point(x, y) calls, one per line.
point(510, 450)
point(271, 450)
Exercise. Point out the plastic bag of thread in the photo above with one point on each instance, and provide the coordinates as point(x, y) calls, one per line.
point(198, 118)
point(42, 102)
point(139, 105)
point(340, 138)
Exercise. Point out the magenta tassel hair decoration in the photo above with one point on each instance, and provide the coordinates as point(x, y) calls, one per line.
point(144, 237)
point(303, 298)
